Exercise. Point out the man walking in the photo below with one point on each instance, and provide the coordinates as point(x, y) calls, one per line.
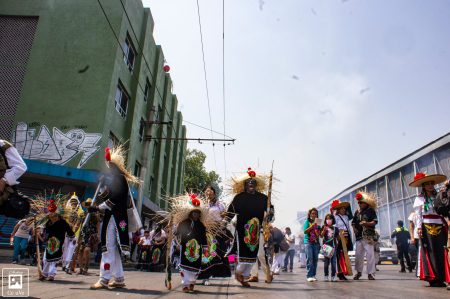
point(289, 259)
point(402, 236)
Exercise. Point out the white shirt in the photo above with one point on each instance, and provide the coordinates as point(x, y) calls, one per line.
point(158, 237)
point(419, 209)
point(216, 210)
point(412, 217)
point(292, 237)
point(146, 241)
point(16, 164)
point(342, 224)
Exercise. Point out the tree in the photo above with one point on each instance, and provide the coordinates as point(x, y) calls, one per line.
point(196, 178)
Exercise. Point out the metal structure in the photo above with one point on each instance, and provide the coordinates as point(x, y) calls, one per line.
point(390, 184)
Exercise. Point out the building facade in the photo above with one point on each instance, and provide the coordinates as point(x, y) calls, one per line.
point(79, 76)
point(391, 185)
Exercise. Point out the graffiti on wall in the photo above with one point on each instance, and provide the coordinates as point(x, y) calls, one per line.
point(56, 147)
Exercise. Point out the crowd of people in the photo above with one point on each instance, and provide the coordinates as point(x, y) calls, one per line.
point(429, 234)
point(200, 234)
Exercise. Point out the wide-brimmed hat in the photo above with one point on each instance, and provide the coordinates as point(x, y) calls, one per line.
point(116, 156)
point(368, 198)
point(337, 204)
point(87, 203)
point(420, 178)
point(237, 184)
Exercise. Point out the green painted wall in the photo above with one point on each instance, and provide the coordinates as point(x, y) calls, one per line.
point(72, 75)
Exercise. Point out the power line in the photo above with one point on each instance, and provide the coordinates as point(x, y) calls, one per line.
point(223, 86)
point(206, 80)
point(206, 128)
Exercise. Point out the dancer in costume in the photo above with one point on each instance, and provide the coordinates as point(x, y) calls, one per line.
point(249, 205)
point(364, 222)
point(114, 236)
point(214, 262)
point(343, 224)
point(432, 229)
point(55, 230)
point(194, 221)
point(74, 218)
point(158, 239)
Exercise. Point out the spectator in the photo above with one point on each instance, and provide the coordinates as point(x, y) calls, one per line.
point(290, 239)
point(144, 250)
point(402, 237)
point(312, 245)
point(20, 237)
point(135, 240)
point(280, 246)
point(330, 235)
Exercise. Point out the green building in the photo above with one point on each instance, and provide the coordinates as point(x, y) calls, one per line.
point(78, 76)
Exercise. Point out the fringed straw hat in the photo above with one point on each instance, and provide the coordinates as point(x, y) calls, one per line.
point(368, 198)
point(238, 183)
point(116, 156)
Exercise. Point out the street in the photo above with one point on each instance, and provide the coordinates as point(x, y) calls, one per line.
point(389, 284)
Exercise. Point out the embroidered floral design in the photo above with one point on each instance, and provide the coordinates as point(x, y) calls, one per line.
point(251, 234)
point(53, 245)
point(122, 225)
point(156, 255)
point(192, 251)
point(210, 253)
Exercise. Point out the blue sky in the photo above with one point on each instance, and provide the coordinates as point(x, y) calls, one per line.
point(331, 90)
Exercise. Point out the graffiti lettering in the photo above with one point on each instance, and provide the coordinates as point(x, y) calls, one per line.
point(56, 148)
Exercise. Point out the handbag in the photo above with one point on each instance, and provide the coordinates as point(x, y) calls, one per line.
point(327, 251)
point(284, 245)
point(134, 221)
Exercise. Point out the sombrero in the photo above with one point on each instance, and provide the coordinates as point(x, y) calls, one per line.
point(337, 204)
point(367, 198)
point(421, 178)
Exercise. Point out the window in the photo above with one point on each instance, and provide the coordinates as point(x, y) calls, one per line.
point(137, 169)
point(121, 100)
point(129, 54)
point(147, 90)
point(112, 140)
point(141, 130)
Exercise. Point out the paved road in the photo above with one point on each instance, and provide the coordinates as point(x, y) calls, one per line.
point(389, 284)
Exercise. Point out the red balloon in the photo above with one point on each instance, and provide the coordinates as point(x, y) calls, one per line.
point(166, 68)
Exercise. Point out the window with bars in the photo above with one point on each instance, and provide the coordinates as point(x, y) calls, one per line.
point(148, 86)
point(141, 130)
point(112, 140)
point(121, 100)
point(137, 169)
point(129, 52)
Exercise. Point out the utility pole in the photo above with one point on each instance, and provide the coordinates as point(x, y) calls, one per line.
point(147, 141)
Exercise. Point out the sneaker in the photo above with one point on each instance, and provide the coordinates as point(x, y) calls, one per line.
point(206, 282)
point(326, 278)
point(314, 278)
point(333, 278)
point(14, 262)
point(357, 276)
point(290, 270)
point(310, 279)
point(370, 277)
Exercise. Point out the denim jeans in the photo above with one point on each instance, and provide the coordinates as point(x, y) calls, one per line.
point(20, 245)
point(312, 256)
point(289, 258)
point(327, 262)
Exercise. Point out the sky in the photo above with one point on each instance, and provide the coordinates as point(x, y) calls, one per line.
point(331, 91)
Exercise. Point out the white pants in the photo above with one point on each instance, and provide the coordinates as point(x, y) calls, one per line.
point(188, 277)
point(278, 260)
point(49, 268)
point(302, 260)
point(68, 250)
point(364, 248)
point(261, 257)
point(244, 269)
point(111, 265)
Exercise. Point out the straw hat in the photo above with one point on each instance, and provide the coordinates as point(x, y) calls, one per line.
point(367, 198)
point(337, 204)
point(420, 178)
point(238, 183)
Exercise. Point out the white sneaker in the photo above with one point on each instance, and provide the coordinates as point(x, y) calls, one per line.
point(326, 278)
point(333, 279)
point(314, 278)
point(206, 282)
point(310, 279)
